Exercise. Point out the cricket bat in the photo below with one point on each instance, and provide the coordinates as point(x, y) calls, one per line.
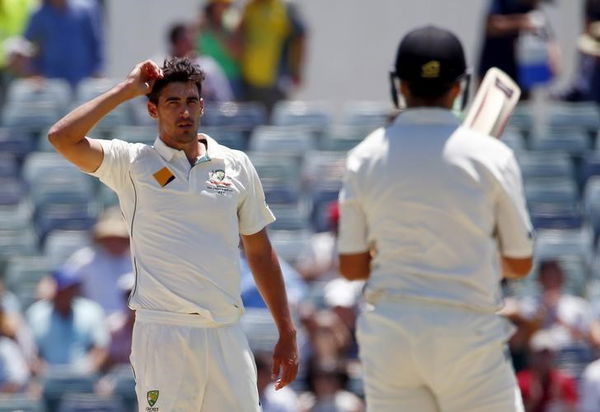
point(493, 104)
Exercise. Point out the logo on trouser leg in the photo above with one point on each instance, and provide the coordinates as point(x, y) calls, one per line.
point(152, 397)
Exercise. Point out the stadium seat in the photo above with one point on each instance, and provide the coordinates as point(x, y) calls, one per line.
point(89, 402)
point(32, 117)
point(13, 191)
point(290, 217)
point(260, 329)
point(232, 137)
point(17, 242)
point(124, 386)
point(8, 165)
point(322, 166)
point(559, 192)
point(55, 92)
point(59, 381)
point(289, 243)
point(23, 274)
point(558, 243)
point(59, 245)
point(583, 115)
point(135, 134)
point(282, 140)
point(514, 139)
point(64, 216)
point(591, 203)
point(567, 140)
point(16, 217)
point(38, 165)
point(107, 197)
point(16, 141)
point(543, 164)
point(20, 403)
point(312, 115)
point(522, 118)
point(590, 166)
point(342, 138)
point(366, 114)
point(246, 116)
point(546, 216)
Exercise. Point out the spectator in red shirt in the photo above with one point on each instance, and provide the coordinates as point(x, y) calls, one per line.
point(545, 388)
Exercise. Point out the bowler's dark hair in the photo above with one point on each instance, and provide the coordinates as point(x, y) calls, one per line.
point(177, 69)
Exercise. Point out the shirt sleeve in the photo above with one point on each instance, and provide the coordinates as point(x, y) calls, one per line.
point(353, 230)
point(114, 169)
point(515, 232)
point(253, 212)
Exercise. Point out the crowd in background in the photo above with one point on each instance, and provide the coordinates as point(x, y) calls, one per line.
point(255, 53)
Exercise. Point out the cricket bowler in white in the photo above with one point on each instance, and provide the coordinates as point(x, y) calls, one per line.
point(187, 201)
point(432, 216)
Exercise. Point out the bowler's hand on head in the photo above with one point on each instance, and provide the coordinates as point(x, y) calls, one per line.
point(285, 361)
point(142, 78)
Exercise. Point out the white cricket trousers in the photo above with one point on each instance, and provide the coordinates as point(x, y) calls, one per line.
point(427, 357)
point(186, 363)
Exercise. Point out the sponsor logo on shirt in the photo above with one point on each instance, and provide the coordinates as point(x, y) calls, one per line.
point(152, 398)
point(164, 176)
point(218, 182)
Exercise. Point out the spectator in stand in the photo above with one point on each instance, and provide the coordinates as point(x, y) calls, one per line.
point(326, 382)
point(283, 400)
point(13, 17)
point(589, 400)
point(587, 83)
point(14, 368)
point(120, 325)
point(68, 38)
point(506, 22)
point(215, 87)
point(216, 38)
point(100, 265)
point(567, 318)
point(545, 388)
point(69, 330)
point(268, 29)
point(319, 260)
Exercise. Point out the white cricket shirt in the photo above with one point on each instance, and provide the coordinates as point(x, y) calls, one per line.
point(436, 202)
point(184, 222)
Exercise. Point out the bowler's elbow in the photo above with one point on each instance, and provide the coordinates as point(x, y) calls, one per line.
point(516, 268)
point(355, 266)
point(55, 136)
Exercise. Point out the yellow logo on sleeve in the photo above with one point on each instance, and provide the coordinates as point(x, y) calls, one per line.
point(164, 176)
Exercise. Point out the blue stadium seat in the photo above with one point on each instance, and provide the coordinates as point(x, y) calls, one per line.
point(20, 403)
point(23, 274)
point(514, 139)
point(282, 140)
point(230, 136)
point(16, 141)
point(32, 117)
point(17, 217)
point(544, 164)
point(559, 192)
point(320, 167)
point(559, 243)
point(567, 140)
point(366, 114)
point(72, 216)
point(342, 138)
point(243, 115)
point(13, 191)
point(290, 217)
point(135, 134)
point(59, 245)
point(89, 402)
point(312, 115)
point(59, 381)
point(522, 118)
point(17, 243)
point(55, 92)
point(9, 167)
point(584, 115)
point(544, 216)
point(289, 243)
point(590, 166)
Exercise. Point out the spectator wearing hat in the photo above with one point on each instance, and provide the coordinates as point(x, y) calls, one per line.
point(100, 265)
point(120, 326)
point(545, 388)
point(69, 330)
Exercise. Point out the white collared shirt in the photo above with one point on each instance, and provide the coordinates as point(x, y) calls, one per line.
point(436, 202)
point(184, 222)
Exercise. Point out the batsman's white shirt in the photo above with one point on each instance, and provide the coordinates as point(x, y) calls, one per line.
point(184, 222)
point(436, 202)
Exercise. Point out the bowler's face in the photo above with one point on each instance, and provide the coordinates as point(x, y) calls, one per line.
point(178, 113)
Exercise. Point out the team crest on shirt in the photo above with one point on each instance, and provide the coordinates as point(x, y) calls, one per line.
point(152, 398)
point(218, 182)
